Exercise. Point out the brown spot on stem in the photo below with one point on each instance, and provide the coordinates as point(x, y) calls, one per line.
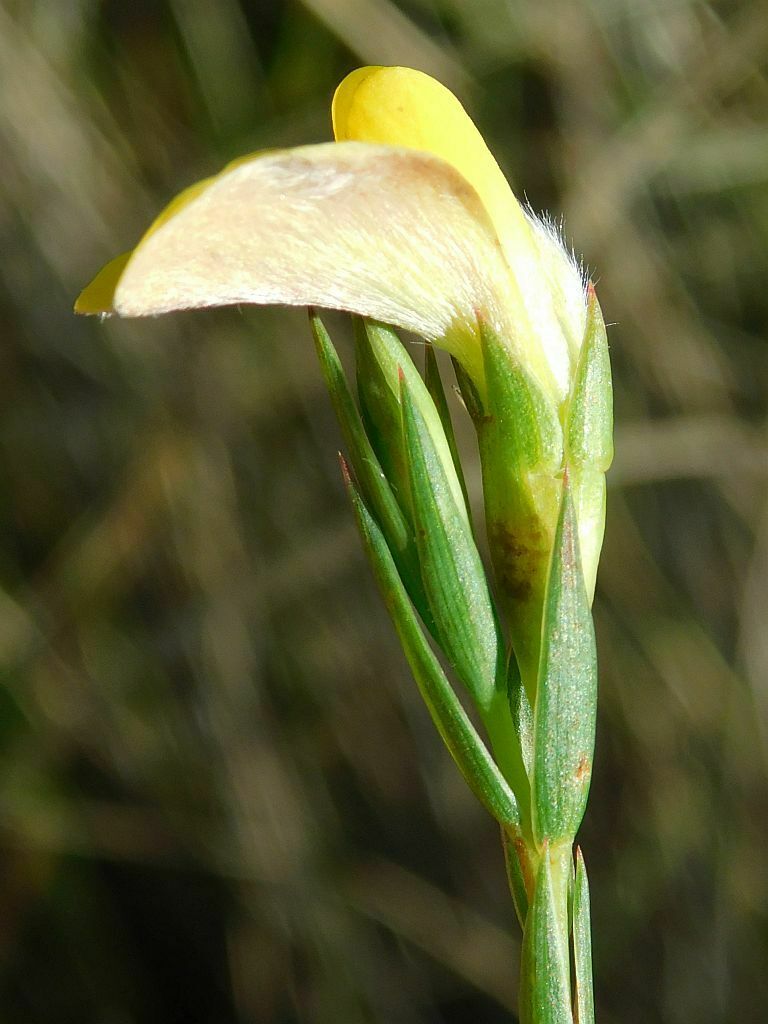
point(525, 866)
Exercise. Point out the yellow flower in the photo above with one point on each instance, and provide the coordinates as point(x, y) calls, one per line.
point(407, 219)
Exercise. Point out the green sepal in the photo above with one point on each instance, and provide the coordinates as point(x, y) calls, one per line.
point(380, 358)
point(452, 722)
point(521, 411)
point(436, 390)
point(520, 442)
point(582, 945)
point(545, 996)
point(451, 570)
point(566, 694)
point(589, 428)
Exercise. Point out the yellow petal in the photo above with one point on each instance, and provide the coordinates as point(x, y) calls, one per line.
point(387, 233)
point(99, 295)
point(404, 107)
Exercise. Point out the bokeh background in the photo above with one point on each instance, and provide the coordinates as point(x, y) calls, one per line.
point(220, 798)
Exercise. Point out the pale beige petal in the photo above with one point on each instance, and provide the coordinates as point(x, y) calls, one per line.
point(377, 230)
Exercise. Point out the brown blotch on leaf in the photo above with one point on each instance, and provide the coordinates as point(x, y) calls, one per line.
point(583, 768)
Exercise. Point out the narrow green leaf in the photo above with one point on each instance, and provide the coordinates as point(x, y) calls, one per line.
point(369, 473)
point(590, 413)
point(451, 569)
point(380, 405)
point(545, 996)
point(367, 468)
point(381, 356)
point(566, 697)
point(437, 392)
point(458, 733)
point(582, 945)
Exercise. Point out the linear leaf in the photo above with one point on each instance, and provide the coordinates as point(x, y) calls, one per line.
point(590, 413)
point(452, 722)
point(436, 390)
point(545, 996)
point(451, 570)
point(369, 473)
point(381, 358)
point(366, 465)
point(566, 696)
point(380, 405)
point(582, 945)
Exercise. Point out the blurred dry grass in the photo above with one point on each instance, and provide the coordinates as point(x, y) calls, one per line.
point(220, 799)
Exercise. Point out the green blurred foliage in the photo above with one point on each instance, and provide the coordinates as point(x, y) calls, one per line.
point(220, 798)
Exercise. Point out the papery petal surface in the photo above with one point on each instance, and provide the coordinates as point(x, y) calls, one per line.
point(384, 232)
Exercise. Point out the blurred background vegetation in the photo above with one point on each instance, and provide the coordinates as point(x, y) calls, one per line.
point(220, 797)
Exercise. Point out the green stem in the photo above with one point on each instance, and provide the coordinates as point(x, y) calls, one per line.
point(554, 912)
point(545, 972)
